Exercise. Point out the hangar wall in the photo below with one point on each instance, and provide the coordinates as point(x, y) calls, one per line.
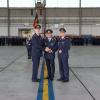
point(71, 29)
point(22, 18)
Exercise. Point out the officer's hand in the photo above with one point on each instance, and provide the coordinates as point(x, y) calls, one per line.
point(47, 49)
point(50, 51)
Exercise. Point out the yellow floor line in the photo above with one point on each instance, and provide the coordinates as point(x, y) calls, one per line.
point(45, 85)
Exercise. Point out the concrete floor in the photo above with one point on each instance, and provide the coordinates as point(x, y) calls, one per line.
point(15, 75)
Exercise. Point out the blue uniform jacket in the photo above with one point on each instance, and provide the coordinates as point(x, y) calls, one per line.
point(64, 46)
point(52, 45)
point(37, 45)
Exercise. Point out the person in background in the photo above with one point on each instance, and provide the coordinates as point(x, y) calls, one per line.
point(29, 46)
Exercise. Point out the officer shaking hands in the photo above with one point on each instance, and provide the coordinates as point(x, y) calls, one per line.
point(49, 53)
point(36, 52)
point(63, 48)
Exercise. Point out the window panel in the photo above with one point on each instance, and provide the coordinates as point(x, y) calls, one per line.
point(21, 3)
point(62, 3)
point(90, 3)
point(51, 3)
point(3, 3)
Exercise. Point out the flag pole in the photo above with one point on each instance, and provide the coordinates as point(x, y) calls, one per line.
point(40, 6)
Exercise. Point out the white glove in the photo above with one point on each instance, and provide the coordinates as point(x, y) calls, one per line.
point(47, 49)
point(60, 51)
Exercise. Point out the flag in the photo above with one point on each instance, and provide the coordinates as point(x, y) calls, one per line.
point(36, 21)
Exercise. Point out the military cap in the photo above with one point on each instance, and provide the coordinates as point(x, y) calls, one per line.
point(38, 26)
point(62, 30)
point(49, 31)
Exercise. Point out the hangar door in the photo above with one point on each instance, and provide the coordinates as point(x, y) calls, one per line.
point(24, 32)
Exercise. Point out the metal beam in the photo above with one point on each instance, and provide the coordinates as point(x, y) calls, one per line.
point(44, 20)
point(8, 22)
point(80, 18)
point(44, 17)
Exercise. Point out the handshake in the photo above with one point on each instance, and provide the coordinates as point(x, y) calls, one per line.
point(47, 49)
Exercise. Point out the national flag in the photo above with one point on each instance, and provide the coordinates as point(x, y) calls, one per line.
point(36, 21)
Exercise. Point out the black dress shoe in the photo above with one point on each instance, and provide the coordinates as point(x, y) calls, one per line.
point(29, 57)
point(46, 78)
point(51, 79)
point(60, 79)
point(65, 80)
point(37, 80)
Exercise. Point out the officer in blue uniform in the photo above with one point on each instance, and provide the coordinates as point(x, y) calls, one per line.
point(36, 52)
point(29, 46)
point(49, 53)
point(63, 48)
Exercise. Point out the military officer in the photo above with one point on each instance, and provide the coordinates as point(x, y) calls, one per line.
point(36, 52)
point(29, 46)
point(63, 48)
point(49, 53)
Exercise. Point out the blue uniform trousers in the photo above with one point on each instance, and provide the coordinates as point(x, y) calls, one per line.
point(50, 67)
point(36, 61)
point(63, 66)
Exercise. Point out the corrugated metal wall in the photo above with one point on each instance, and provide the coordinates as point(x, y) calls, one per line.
point(22, 18)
